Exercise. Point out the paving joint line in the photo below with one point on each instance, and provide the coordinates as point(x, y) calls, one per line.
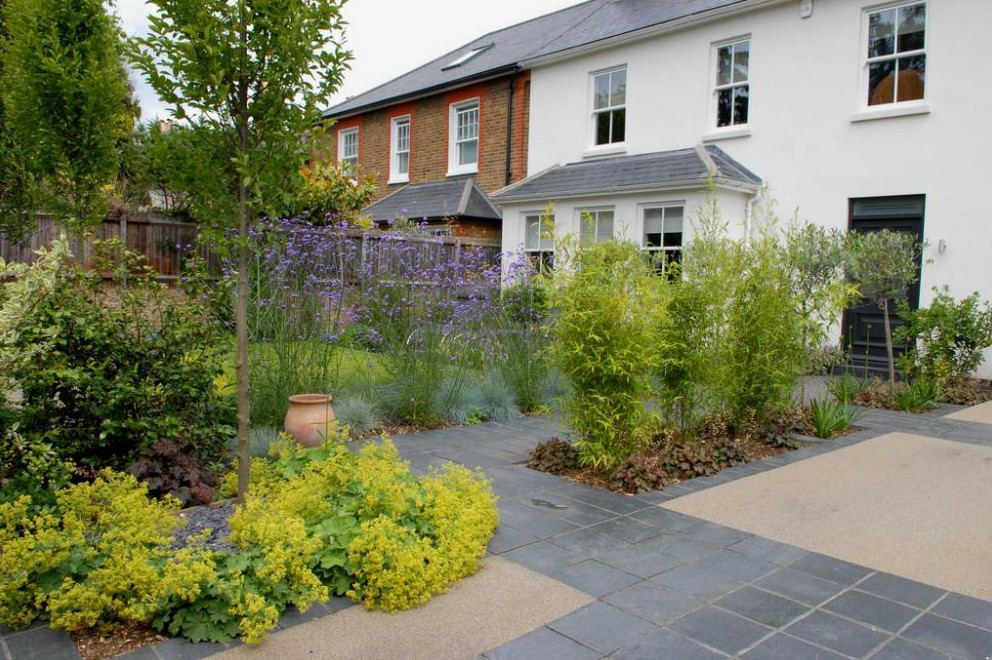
point(923, 612)
point(811, 610)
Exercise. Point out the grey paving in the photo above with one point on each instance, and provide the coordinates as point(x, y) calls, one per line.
point(602, 627)
point(722, 630)
point(669, 585)
point(543, 643)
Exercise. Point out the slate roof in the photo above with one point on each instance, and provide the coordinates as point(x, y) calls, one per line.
point(575, 26)
point(451, 198)
point(509, 46)
point(619, 17)
point(628, 173)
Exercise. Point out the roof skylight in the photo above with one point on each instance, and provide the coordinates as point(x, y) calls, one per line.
point(465, 57)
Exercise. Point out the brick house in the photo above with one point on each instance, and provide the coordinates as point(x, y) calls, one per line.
point(441, 137)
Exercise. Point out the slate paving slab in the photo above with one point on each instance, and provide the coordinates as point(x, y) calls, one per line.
point(696, 581)
point(721, 630)
point(803, 587)
point(653, 602)
point(641, 561)
point(761, 606)
point(909, 592)
point(594, 578)
point(900, 649)
point(875, 611)
point(543, 643)
point(837, 634)
point(602, 627)
point(965, 609)
point(41, 643)
point(665, 645)
point(951, 637)
point(784, 647)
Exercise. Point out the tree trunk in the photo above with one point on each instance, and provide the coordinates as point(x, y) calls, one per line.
point(241, 323)
point(241, 330)
point(888, 347)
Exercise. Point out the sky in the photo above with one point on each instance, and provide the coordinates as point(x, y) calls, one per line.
point(387, 37)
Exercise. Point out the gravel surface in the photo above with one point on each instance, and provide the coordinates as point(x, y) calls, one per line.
point(206, 517)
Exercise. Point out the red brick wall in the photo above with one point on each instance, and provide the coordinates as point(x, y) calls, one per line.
point(429, 133)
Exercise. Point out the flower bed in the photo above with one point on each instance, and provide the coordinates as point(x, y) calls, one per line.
point(318, 522)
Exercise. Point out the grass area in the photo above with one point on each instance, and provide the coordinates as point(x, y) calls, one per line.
point(277, 371)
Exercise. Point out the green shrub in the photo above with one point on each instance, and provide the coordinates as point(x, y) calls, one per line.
point(317, 521)
point(554, 456)
point(918, 396)
point(944, 342)
point(765, 332)
point(105, 370)
point(846, 387)
point(29, 466)
point(780, 431)
point(704, 458)
point(830, 417)
point(169, 468)
point(101, 558)
point(734, 331)
point(606, 343)
point(325, 520)
point(641, 472)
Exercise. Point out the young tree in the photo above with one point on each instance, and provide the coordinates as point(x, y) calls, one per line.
point(256, 72)
point(884, 263)
point(815, 259)
point(67, 104)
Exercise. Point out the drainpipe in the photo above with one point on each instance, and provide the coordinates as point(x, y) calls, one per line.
point(748, 215)
point(509, 131)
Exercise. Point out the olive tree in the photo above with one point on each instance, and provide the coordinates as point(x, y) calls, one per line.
point(257, 73)
point(884, 264)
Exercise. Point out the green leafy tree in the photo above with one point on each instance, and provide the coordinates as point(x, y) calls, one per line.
point(66, 106)
point(884, 264)
point(255, 72)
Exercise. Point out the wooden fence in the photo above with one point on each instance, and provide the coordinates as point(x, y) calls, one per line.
point(167, 243)
point(163, 240)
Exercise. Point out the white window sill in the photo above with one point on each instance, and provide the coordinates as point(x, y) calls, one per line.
point(889, 111)
point(727, 134)
point(393, 182)
point(605, 150)
point(463, 170)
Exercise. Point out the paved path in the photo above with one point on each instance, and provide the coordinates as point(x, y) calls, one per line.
point(670, 585)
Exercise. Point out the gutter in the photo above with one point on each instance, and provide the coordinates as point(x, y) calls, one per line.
point(692, 184)
point(649, 31)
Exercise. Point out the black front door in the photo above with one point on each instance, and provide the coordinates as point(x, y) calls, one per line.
point(864, 325)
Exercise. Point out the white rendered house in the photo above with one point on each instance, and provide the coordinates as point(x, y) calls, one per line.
point(860, 115)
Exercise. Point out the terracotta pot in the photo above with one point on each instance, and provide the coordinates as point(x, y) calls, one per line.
point(310, 418)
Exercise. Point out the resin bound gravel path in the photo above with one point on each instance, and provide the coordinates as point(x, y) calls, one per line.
point(667, 584)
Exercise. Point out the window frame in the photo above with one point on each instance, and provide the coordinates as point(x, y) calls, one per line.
point(395, 176)
point(716, 87)
point(642, 212)
point(581, 212)
point(595, 112)
point(866, 60)
point(350, 162)
point(542, 256)
point(454, 109)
